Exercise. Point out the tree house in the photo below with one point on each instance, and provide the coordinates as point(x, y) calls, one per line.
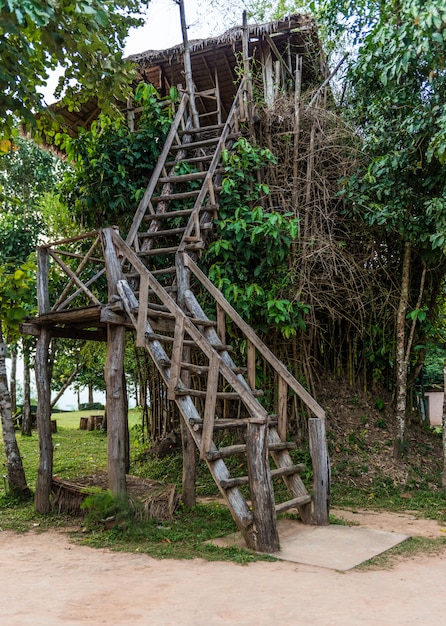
point(149, 281)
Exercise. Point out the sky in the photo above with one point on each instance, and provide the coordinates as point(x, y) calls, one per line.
point(162, 30)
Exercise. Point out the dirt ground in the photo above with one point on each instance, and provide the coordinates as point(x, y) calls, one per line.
point(46, 580)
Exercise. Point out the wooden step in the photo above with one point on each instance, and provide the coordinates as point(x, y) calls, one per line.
point(156, 251)
point(199, 369)
point(201, 144)
point(201, 129)
point(183, 178)
point(181, 213)
point(223, 453)
point(291, 504)
point(162, 233)
point(205, 158)
point(176, 196)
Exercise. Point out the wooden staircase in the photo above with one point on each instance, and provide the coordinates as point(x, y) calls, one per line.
point(153, 279)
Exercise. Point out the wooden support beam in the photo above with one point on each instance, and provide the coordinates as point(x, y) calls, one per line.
point(321, 471)
point(177, 353)
point(251, 365)
point(43, 379)
point(261, 489)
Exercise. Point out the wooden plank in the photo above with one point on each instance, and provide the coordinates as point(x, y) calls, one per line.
point(295, 503)
point(282, 397)
point(75, 279)
point(144, 203)
point(251, 365)
point(221, 323)
point(177, 354)
point(250, 334)
point(81, 266)
point(261, 489)
point(321, 471)
point(43, 294)
point(142, 311)
point(209, 408)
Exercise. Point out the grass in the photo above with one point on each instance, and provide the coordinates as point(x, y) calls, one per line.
point(79, 453)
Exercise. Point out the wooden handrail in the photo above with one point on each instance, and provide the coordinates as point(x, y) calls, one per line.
point(278, 366)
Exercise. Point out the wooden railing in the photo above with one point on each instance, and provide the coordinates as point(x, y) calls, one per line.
point(83, 268)
point(286, 380)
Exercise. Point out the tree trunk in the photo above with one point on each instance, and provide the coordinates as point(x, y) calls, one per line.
point(16, 473)
point(443, 478)
point(90, 394)
point(401, 361)
point(116, 410)
point(45, 472)
point(13, 381)
point(26, 411)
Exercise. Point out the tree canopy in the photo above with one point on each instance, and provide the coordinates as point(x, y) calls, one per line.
point(85, 38)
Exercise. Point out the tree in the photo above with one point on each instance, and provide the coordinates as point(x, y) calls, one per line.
point(16, 298)
point(84, 38)
point(395, 97)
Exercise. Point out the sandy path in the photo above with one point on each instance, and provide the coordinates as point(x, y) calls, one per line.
point(45, 580)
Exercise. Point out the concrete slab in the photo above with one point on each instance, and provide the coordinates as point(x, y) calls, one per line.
point(333, 547)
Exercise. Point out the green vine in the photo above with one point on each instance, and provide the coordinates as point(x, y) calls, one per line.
point(249, 259)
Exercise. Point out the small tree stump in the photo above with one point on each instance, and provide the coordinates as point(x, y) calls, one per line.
point(54, 426)
point(83, 423)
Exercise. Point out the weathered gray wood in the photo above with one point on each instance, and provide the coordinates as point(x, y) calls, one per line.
point(45, 471)
point(261, 489)
point(142, 311)
point(293, 482)
point(282, 391)
point(209, 409)
point(116, 393)
point(251, 365)
point(145, 200)
point(43, 295)
point(116, 410)
point(295, 503)
point(177, 354)
point(321, 471)
point(82, 265)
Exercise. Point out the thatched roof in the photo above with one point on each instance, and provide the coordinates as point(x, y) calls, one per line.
point(218, 59)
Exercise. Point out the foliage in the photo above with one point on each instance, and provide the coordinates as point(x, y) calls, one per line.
point(17, 297)
point(251, 255)
point(27, 172)
point(84, 38)
point(112, 163)
point(396, 98)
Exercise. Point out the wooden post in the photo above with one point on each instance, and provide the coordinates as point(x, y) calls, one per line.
point(116, 393)
point(282, 396)
point(188, 67)
point(116, 413)
point(45, 470)
point(261, 488)
point(321, 470)
point(189, 475)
